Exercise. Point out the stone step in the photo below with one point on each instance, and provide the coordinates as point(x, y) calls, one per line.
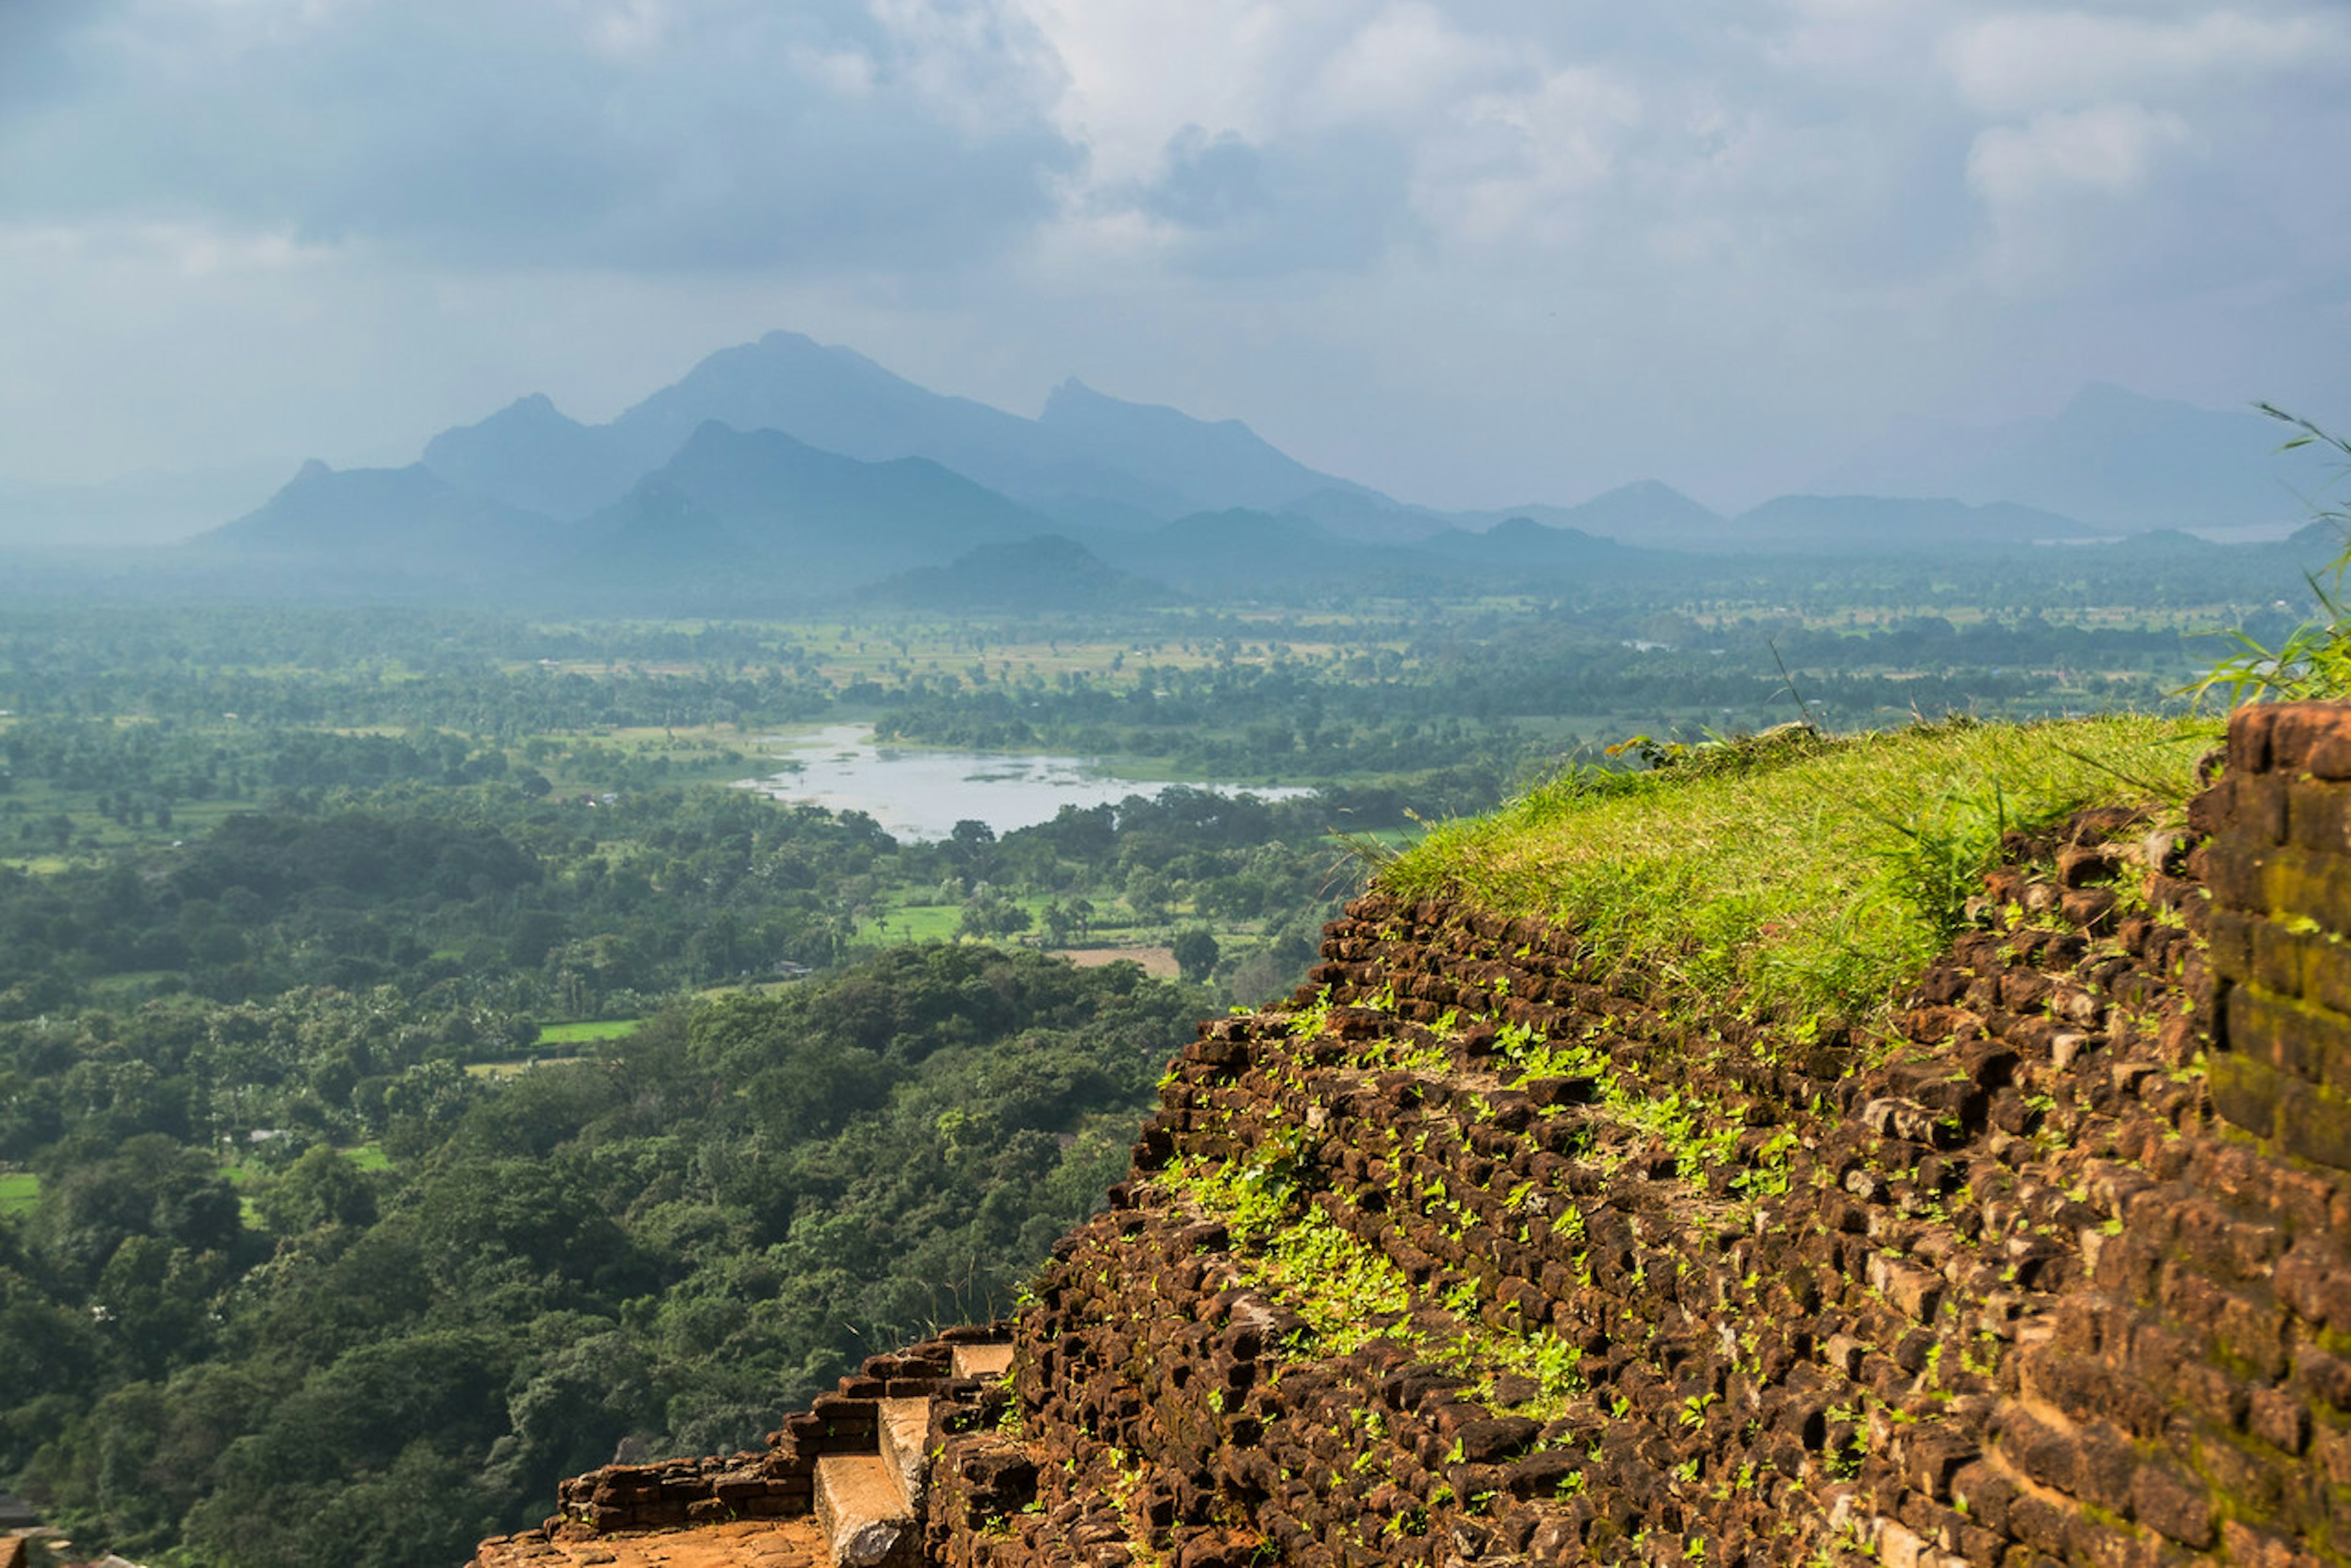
point(863, 1514)
point(903, 1432)
point(983, 1360)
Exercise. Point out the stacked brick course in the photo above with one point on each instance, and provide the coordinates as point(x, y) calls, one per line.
point(2279, 869)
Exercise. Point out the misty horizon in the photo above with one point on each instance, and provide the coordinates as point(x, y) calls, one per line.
point(1469, 258)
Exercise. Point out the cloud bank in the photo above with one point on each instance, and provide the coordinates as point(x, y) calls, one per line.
point(1473, 252)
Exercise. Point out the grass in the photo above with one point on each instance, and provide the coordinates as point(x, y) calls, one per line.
point(19, 1190)
point(915, 923)
point(582, 1033)
point(1804, 882)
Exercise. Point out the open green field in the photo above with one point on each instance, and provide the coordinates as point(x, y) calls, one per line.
point(914, 923)
point(582, 1033)
point(19, 1190)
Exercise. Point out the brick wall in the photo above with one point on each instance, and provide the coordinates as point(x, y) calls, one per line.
point(2017, 1296)
point(2278, 866)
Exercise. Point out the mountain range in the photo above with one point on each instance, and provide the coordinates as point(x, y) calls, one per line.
point(1086, 459)
point(786, 470)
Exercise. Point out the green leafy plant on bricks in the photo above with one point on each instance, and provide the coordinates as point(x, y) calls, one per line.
point(1350, 1293)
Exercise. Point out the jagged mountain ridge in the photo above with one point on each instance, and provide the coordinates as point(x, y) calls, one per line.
point(1087, 455)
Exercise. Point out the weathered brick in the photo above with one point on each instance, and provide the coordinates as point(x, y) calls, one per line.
point(2170, 1500)
point(2246, 1091)
point(2279, 1419)
point(2310, 1042)
point(2318, 818)
point(2280, 959)
point(2295, 884)
point(2260, 813)
point(2230, 936)
point(2315, 1125)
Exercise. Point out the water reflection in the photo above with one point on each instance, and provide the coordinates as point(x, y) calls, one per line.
point(923, 793)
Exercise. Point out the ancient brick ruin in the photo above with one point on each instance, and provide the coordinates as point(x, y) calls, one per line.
point(2054, 1271)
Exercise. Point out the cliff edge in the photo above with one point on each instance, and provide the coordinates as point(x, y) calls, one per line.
point(1505, 1242)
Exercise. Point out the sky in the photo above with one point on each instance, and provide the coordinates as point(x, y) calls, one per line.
point(1478, 252)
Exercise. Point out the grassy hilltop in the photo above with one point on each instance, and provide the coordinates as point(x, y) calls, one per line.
point(1794, 874)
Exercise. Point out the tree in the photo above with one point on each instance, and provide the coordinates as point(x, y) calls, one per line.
point(1196, 952)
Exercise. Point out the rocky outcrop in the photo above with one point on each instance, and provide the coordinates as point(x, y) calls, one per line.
point(1474, 1253)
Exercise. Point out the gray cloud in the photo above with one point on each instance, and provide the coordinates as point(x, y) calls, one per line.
point(726, 135)
point(1318, 203)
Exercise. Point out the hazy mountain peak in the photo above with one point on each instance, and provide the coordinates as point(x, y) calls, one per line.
point(1650, 492)
point(793, 354)
point(1073, 402)
point(311, 470)
point(532, 455)
point(533, 411)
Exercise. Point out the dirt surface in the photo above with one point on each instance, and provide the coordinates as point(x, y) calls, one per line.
point(1159, 963)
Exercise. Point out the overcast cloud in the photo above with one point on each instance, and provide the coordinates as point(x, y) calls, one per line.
point(1473, 253)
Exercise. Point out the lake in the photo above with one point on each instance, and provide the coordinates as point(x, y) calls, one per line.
point(922, 793)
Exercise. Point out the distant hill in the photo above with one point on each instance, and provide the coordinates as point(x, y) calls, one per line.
point(1196, 464)
point(812, 521)
point(1356, 513)
point(1046, 573)
point(1523, 544)
point(1646, 513)
point(532, 455)
point(391, 526)
point(2120, 460)
point(2112, 458)
point(1235, 551)
point(658, 547)
point(830, 398)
